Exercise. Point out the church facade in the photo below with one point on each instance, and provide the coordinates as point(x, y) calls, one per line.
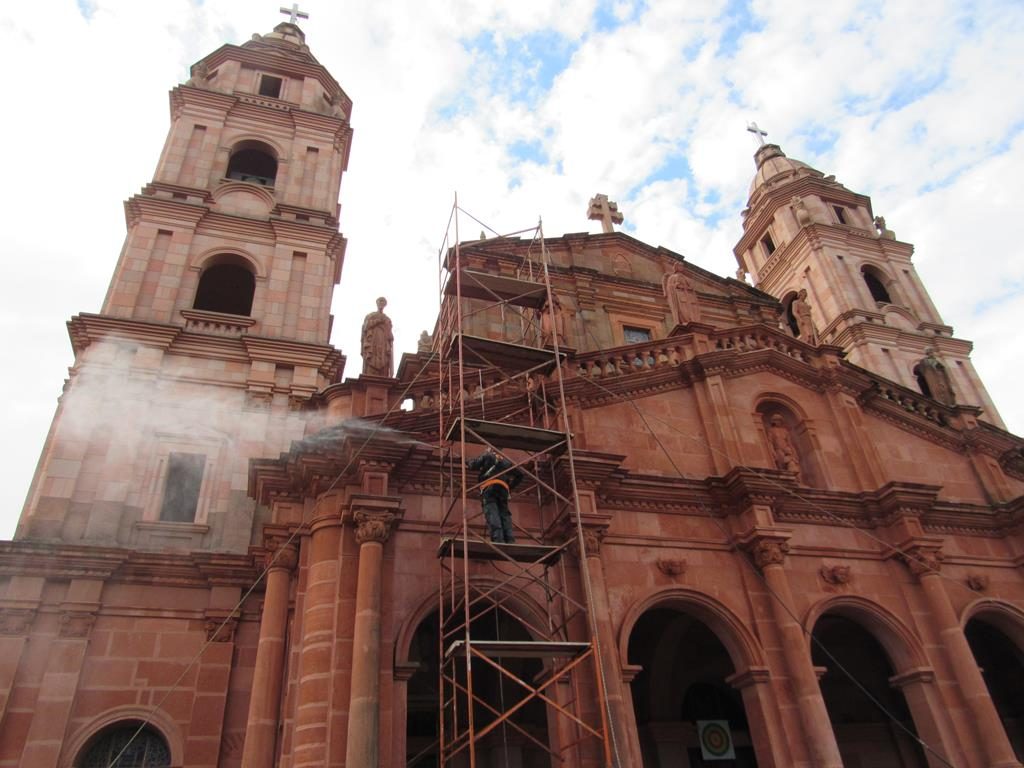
point(796, 530)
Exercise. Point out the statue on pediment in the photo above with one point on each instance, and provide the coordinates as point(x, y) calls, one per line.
point(378, 342)
point(802, 313)
point(682, 296)
point(934, 379)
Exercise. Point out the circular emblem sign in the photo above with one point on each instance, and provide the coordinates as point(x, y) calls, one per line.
point(715, 739)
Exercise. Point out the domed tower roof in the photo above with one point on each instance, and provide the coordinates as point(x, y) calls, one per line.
point(775, 169)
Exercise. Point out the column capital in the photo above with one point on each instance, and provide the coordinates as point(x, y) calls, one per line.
point(220, 626)
point(374, 526)
point(280, 548)
point(921, 560)
point(16, 620)
point(766, 547)
point(593, 535)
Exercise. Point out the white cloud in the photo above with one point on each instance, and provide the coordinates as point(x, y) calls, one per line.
point(87, 115)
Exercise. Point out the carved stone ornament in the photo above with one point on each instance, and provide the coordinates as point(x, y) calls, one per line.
point(16, 621)
point(76, 623)
point(769, 552)
point(835, 574)
point(672, 567)
point(281, 556)
point(592, 538)
point(977, 581)
point(922, 561)
point(373, 526)
point(216, 633)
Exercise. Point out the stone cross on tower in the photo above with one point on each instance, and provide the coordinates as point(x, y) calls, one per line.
point(294, 13)
point(760, 134)
point(603, 209)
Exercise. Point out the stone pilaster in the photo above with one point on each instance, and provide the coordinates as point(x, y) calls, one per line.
point(925, 562)
point(768, 551)
point(60, 680)
point(317, 635)
point(260, 748)
point(374, 519)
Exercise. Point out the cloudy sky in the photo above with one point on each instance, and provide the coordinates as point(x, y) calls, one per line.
point(526, 108)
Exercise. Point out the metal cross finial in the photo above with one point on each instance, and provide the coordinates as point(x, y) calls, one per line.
point(294, 13)
point(757, 132)
point(604, 210)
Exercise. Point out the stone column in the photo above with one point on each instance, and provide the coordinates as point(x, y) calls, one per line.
point(769, 554)
point(314, 685)
point(17, 612)
point(265, 702)
point(59, 684)
point(373, 528)
point(924, 563)
point(623, 727)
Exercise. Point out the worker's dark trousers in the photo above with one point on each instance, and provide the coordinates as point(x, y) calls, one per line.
point(499, 519)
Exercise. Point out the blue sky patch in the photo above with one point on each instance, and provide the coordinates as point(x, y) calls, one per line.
point(522, 68)
point(739, 21)
point(87, 8)
point(528, 152)
point(910, 89)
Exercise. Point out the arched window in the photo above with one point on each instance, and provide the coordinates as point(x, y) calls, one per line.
point(226, 286)
point(253, 161)
point(125, 746)
point(876, 285)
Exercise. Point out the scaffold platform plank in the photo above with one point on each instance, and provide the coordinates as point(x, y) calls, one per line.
point(538, 554)
point(518, 649)
point(514, 436)
point(488, 287)
point(503, 355)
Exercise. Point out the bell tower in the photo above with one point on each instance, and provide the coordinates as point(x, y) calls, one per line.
point(804, 231)
point(215, 328)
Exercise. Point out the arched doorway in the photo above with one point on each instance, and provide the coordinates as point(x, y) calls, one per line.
point(680, 689)
point(865, 734)
point(511, 745)
point(1002, 666)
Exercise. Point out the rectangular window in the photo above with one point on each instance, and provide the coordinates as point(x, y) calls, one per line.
point(769, 244)
point(635, 335)
point(270, 86)
point(181, 488)
point(840, 214)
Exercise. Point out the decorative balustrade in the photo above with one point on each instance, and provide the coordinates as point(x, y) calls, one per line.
point(748, 340)
point(625, 360)
point(216, 323)
point(913, 403)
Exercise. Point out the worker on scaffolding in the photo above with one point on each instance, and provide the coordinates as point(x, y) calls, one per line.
point(497, 477)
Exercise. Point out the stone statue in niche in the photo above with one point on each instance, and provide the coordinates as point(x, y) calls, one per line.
point(803, 216)
point(783, 450)
point(935, 378)
point(378, 342)
point(682, 296)
point(883, 232)
point(552, 323)
point(802, 313)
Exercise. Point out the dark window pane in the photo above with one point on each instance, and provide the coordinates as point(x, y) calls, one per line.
point(635, 335)
point(270, 86)
point(226, 288)
point(181, 491)
point(146, 750)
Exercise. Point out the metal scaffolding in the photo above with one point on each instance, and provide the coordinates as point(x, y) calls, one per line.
point(518, 643)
